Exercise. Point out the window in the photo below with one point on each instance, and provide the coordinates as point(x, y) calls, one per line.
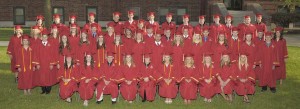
point(162, 15)
point(19, 15)
point(91, 9)
point(60, 11)
point(136, 12)
point(233, 4)
point(179, 14)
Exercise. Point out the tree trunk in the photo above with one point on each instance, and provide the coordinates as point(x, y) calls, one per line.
point(48, 14)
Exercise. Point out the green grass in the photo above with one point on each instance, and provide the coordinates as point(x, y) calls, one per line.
point(6, 33)
point(287, 96)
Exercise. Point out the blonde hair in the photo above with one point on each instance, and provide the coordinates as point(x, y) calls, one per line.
point(240, 64)
point(131, 61)
point(174, 41)
point(192, 62)
point(200, 39)
point(222, 63)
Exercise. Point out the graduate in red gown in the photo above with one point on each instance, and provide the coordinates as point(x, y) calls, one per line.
point(84, 45)
point(168, 76)
point(149, 35)
point(141, 25)
point(259, 23)
point(63, 48)
point(168, 36)
point(14, 43)
point(207, 78)
point(40, 22)
point(151, 22)
point(57, 22)
point(268, 63)
point(187, 34)
point(109, 36)
point(186, 19)
point(235, 43)
point(206, 39)
point(73, 23)
point(45, 62)
point(54, 38)
point(246, 27)
point(196, 45)
point(74, 37)
point(147, 77)
point(139, 45)
point(216, 27)
point(200, 26)
point(129, 71)
point(188, 79)
point(100, 52)
point(220, 46)
point(245, 77)
point(67, 77)
point(24, 56)
point(87, 26)
point(158, 46)
point(280, 44)
point(106, 79)
point(118, 48)
point(129, 36)
point(87, 79)
point(35, 39)
point(118, 26)
point(225, 76)
point(131, 22)
point(94, 33)
point(178, 49)
point(169, 24)
point(228, 25)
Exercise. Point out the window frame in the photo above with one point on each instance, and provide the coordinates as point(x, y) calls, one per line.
point(14, 15)
point(87, 13)
point(62, 20)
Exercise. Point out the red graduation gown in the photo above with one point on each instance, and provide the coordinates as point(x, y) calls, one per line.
point(155, 25)
point(108, 73)
point(24, 59)
point(148, 87)
point(227, 72)
point(66, 89)
point(243, 28)
point(188, 90)
point(270, 58)
point(235, 47)
point(132, 24)
point(82, 49)
point(13, 44)
point(88, 27)
point(167, 72)
point(137, 50)
point(45, 57)
point(218, 49)
point(86, 90)
point(214, 31)
point(156, 56)
point(282, 55)
point(74, 41)
point(171, 25)
point(129, 91)
point(248, 86)
point(177, 56)
point(207, 90)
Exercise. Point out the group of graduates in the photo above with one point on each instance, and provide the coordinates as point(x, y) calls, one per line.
point(142, 58)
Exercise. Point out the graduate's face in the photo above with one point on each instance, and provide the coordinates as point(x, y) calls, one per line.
point(139, 36)
point(128, 58)
point(72, 21)
point(147, 60)
point(56, 20)
point(205, 33)
point(36, 31)
point(118, 37)
point(84, 35)
point(110, 29)
point(44, 38)
point(157, 37)
point(25, 42)
point(100, 40)
point(64, 39)
point(248, 37)
point(110, 59)
point(177, 38)
point(185, 20)
point(130, 16)
point(73, 30)
point(196, 37)
point(116, 18)
point(243, 58)
point(217, 20)
point(228, 20)
point(54, 30)
point(260, 34)
point(169, 19)
point(141, 25)
point(235, 33)
point(188, 60)
point(201, 21)
point(185, 31)
point(149, 31)
point(91, 18)
point(167, 33)
point(268, 38)
point(128, 32)
point(221, 37)
point(207, 59)
point(258, 19)
point(94, 29)
point(39, 21)
point(247, 20)
point(225, 58)
point(18, 31)
point(69, 59)
point(167, 58)
point(88, 58)
point(278, 33)
point(151, 17)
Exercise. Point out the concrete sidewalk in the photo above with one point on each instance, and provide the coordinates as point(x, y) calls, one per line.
point(292, 40)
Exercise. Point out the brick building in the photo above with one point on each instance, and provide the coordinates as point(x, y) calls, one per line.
point(23, 12)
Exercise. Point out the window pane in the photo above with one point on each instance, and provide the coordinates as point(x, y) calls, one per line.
point(181, 12)
point(94, 10)
point(59, 11)
point(163, 11)
point(19, 11)
point(19, 20)
point(136, 12)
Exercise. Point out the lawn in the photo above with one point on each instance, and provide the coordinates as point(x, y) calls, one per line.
point(6, 33)
point(287, 96)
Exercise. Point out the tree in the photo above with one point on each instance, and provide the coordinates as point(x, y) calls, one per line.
point(291, 4)
point(47, 12)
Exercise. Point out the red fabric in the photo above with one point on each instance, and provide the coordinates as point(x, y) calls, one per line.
point(118, 56)
point(155, 25)
point(177, 56)
point(282, 55)
point(207, 90)
point(167, 72)
point(66, 90)
point(218, 50)
point(235, 47)
point(248, 86)
point(243, 28)
point(88, 27)
point(188, 83)
point(133, 24)
point(171, 26)
point(137, 50)
point(129, 91)
point(227, 72)
point(215, 29)
point(86, 90)
point(148, 87)
point(13, 44)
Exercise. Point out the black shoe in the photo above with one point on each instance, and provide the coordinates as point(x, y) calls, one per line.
point(16, 79)
point(273, 90)
point(144, 99)
point(264, 88)
point(113, 102)
point(43, 90)
point(48, 89)
point(99, 102)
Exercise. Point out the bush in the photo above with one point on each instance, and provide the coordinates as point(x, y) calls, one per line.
point(283, 19)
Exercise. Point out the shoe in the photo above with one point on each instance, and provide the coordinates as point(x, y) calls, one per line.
point(99, 102)
point(273, 90)
point(43, 90)
point(16, 79)
point(113, 102)
point(264, 88)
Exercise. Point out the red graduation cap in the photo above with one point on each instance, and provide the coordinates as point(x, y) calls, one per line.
point(226, 52)
point(260, 29)
point(235, 29)
point(56, 16)
point(116, 13)
point(268, 33)
point(216, 16)
point(151, 14)
point(140, 31)
point(92, 14)
point(149, 27)
point(186, 16)
point(53, 26)
point(169, 15)
point(278, 28)
point(258, 15)
point(189, 55)
point(130, 12)
point(110, 53)
point(202, 17)
point(72, 17)
point(64, 33)
point(147, 53)
point(18, 27)
point(73, 26)
point(94, 25)
point(117, 33)
point(244, 52)
point(88, 53)
point(178, 33)
point(25, 36)
point(248, 32)
point(206, 28)
point(34, 27)
point(247, 16)
point(167, 50)
point(45, 32)
point(128, 52)
point(167, 28)
point(110, 25)
point(229, 16)
point(40, 17)
point(222, 32)
point(207, 53)
point(198, 31)
point(159, 32)
point(69, 54)
point(141, 21)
